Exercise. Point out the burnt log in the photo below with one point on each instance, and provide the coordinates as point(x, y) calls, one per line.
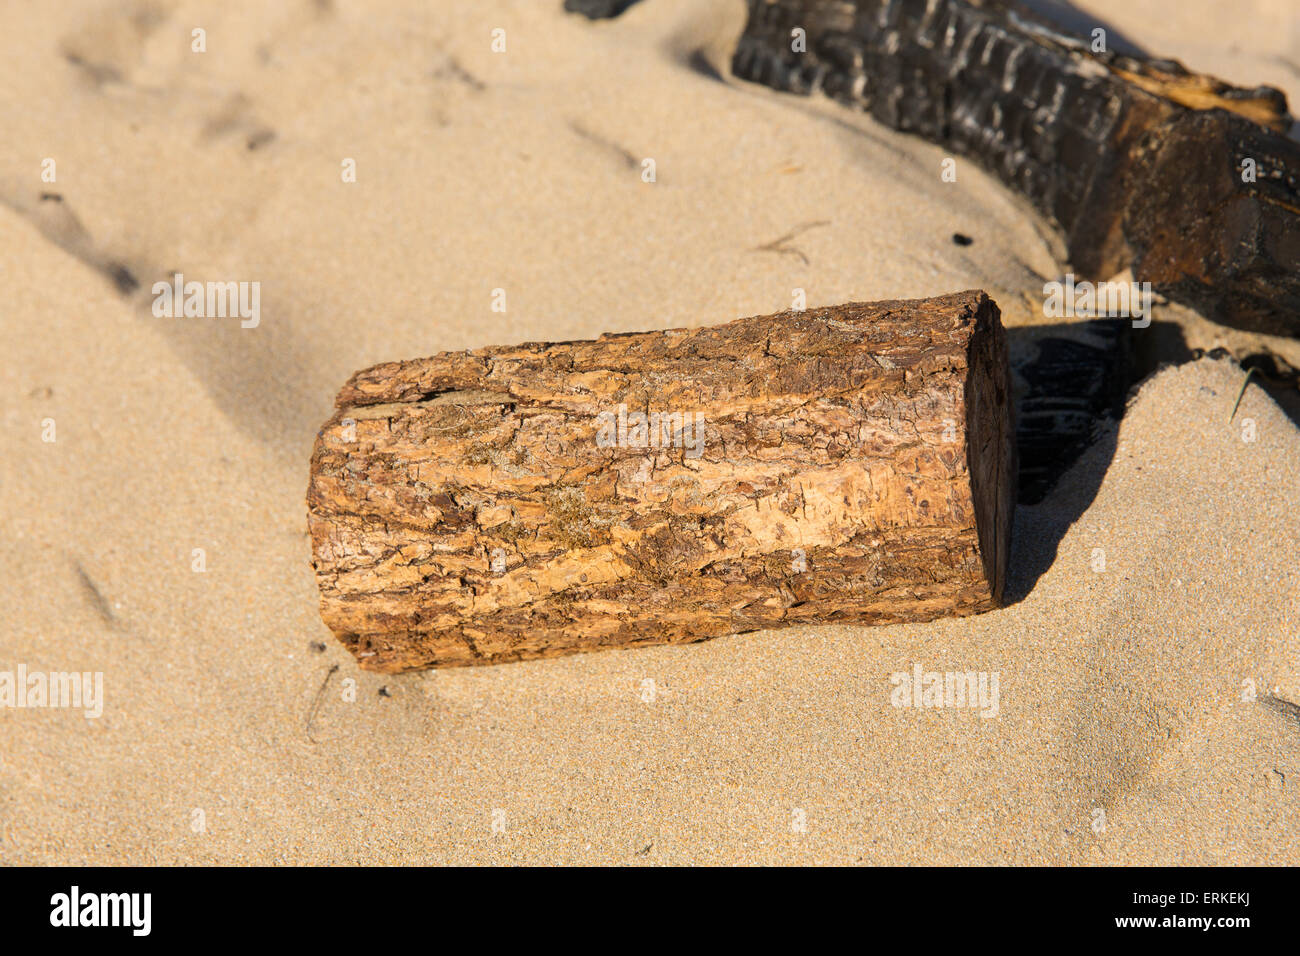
point(1189, 182)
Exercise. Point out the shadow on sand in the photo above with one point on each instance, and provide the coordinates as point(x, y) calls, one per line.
point(1071, 382)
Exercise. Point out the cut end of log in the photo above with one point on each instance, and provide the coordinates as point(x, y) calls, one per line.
point(845, 465)
point(991, 443)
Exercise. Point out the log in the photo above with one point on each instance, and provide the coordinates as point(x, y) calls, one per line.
point(1189, 182)
point(845, 465)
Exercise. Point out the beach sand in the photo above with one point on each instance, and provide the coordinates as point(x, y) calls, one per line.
point(1148, 709)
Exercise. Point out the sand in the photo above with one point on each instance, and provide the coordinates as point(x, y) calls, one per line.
point(1125, 729)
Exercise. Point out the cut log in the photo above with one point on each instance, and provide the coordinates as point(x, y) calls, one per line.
point(1187, 181)
point(846, 465)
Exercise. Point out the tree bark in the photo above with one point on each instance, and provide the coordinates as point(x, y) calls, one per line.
point(846, 465)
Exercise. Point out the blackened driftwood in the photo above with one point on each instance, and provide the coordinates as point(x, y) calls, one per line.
point(1190, 182)
point(848, 465)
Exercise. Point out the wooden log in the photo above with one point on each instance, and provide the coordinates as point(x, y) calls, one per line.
point(1189, 182)
point(846, 465)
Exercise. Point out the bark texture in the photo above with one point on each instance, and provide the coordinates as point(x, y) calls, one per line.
point(848, 465)
point(1186, 180)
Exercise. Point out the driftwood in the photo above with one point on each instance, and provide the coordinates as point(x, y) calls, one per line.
point(848, 465)
point(1191, 183)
